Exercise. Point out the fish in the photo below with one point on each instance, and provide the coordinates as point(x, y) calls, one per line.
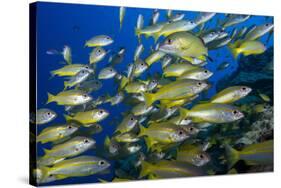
point(90, 85)
point(97, 55)
point(259, 108)
point(126, 137)
point(54, 133)
point(127, 124)
point(212, 113)
point(258, 31)
point(141, 109)
point(99, 41)
point(196, 74)
point(178, 69)
point(166, 60)
point(89, 117)
point(254, 154)
point(174, 27)
point(219, 42)
point(76, 167)
point(122, 12)
point(169, 13)
point(223, 66)
point(247, 48)
point(139, 67)
point(149, 30)
point(43, 116)
point(176, 17)
point(154, 57)
point(107, 73)
point(81, 76)
point(264, 97)
point(163, 133)
point(66, 52)
point(192, 154)
point(71, 70)
point(71, 148)
point(136, 87)
point(204, 17)
point(184, 45)
point(230, 94)
point(234, 19)
point(69, 98)
point(138, 52)
point(116, 99)
point(170, 169)
point(155, 17)
point(176, 90)
point(118, 57)
point(209, 37)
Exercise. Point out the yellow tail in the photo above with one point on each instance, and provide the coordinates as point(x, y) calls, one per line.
point(232, 156)
point(68, 118)
point(50, 98)
point(149, 99)
point(145, 168)
point(183, 113)
point(234, 51)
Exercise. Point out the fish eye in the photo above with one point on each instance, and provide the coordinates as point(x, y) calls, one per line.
point(51, 175)
point(86, 141)
point(180, 132)
point(199, 83)
point(142, 64)
point(206, 71)
point(132, 119)
point(235, 112)
point(101, 111)
point(169, 41)
point(107, 38)
point(101, 163)
point(267, 25)
point(69, 127)
point(243, 88)
point(85, 96)
point(201, 156)
point(191, 128)
point(49, 113)
point(86, 67)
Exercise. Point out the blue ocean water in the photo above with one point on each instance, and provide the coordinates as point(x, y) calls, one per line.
point(73, 24)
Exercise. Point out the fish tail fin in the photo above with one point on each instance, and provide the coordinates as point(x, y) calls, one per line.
point(234, 51)
point(183, 113)
point(107, 141)
point(142, 131)
point(156, 37)
point(123, 83)
point(232, 156)
point(46, 151)
point(145, 168)
point(45, 171)
point(65, 85)
point(50, 98)
point(68, 118)
point(149, 98)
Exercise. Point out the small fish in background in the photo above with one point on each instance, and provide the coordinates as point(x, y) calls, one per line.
point(197, 74)
point(138, 52)
point(107, 73)
point(155, 17)
point(97, 55)
point(176, 17)
point(139, 26)
point(204, 17)
point(71, 70)
point(258, 31)
point(90, 85)
point(233, 19)
point(118, 57)
point(223, 66)
point(69, 98)
point(88, 117)
point(264, 97)
point(122, 12)
point(43, 116)
point(66, 53)
point(80, 77)
point(99, 41)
